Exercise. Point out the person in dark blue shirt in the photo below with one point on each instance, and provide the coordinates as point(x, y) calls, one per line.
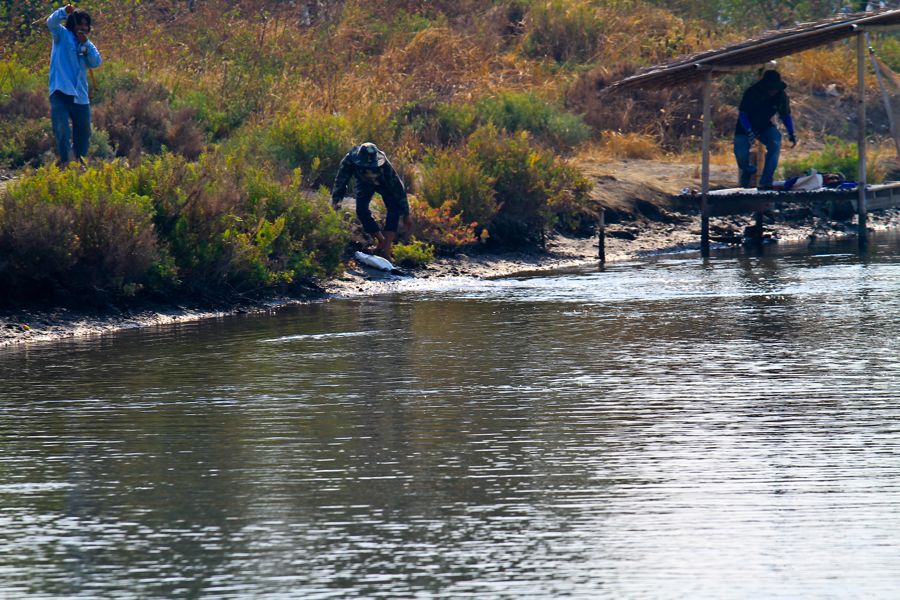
point(762, 101)
point(71, 57)
point(373, 173)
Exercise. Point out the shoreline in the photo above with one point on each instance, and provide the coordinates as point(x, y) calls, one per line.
point(631, 240)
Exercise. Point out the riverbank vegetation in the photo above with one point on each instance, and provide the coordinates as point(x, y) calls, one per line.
point(218, 124)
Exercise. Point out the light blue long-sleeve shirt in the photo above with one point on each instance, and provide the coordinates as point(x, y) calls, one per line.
point(69, 60)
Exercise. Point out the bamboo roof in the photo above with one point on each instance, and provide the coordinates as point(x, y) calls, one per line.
point(753, 52)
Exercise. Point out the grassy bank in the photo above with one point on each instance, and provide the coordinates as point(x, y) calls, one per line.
point(217, 128)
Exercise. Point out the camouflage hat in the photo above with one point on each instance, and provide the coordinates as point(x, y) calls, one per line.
point(368, 155)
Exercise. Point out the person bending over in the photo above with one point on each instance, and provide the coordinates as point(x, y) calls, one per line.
point(760, 103)
point(70, 58)
point(373, 172)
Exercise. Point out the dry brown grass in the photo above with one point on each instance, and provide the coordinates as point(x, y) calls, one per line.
point(436, 60)
point(614, 144)
point(721, 153)
point(651, 35)
point(815, 70)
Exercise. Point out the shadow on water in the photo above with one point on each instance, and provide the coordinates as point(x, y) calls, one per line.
point(669, 427)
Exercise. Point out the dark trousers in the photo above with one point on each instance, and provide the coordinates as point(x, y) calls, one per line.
point(391, 221)
point(77, 136)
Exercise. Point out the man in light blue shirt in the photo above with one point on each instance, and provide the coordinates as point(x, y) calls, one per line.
point(71, 57)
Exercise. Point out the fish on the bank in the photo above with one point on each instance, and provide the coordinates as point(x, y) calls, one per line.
point(378, 262)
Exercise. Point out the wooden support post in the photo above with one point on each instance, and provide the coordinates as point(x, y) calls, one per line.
point(704, 170)
point(861, 137)
point(885, 97)
point(601, 236)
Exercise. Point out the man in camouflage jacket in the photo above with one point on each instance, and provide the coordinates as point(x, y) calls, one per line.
point(373, 173)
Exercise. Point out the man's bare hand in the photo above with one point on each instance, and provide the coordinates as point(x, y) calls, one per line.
point(407, 222)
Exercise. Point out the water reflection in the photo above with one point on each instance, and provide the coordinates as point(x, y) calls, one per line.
point(659, 429)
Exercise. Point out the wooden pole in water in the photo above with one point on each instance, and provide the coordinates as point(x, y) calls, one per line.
point(704, 169)
point(601, 236)
point(861, 136)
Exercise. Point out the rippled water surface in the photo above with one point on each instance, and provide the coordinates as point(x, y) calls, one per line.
point(664, 429)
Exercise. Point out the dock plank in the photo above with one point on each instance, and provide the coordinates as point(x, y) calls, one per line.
point(733, 201)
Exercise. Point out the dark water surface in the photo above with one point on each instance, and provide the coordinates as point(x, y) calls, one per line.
point(662, 429)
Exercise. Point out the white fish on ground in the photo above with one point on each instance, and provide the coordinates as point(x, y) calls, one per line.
point(376, 262)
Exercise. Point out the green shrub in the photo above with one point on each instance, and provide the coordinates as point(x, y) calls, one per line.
point(453, 176)
point(564, 30)
point(231, 227)
point(314, 142)
point(413, 254)
point(455, 122)
point(169, 226)
point(314, 235)
point(241, 93)
point(524, 111)
point(370, 122)
point(435, 123)
point(100, 146)
point(111, 80)
point(84, 234)
point(838, 156)
point(15, 76)
point(528, 181)
point(24, 141)
point(216, 119)
point(573, 211)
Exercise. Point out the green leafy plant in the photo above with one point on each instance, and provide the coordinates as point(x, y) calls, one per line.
point(435, 123)
point(453, 176)
point(230, 226)
point(169, 226)
point(413, 254)
point(88, 235)
point(111, 80)
point(525, 111)
point(314, 142)
point(25, 141)
point(528, 182)
point(837, 156)
point(17, 76)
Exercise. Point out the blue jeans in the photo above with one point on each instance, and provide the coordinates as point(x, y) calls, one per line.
point(78, 136)
point(771, 139)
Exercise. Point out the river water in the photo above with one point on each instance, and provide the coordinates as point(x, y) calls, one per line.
point(669, 428)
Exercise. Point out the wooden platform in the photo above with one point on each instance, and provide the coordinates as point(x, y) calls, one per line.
point(733, 201)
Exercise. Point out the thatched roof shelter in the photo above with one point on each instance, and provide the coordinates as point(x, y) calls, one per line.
point(754, 52)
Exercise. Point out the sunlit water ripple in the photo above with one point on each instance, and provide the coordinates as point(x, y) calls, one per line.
point(672, 428)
